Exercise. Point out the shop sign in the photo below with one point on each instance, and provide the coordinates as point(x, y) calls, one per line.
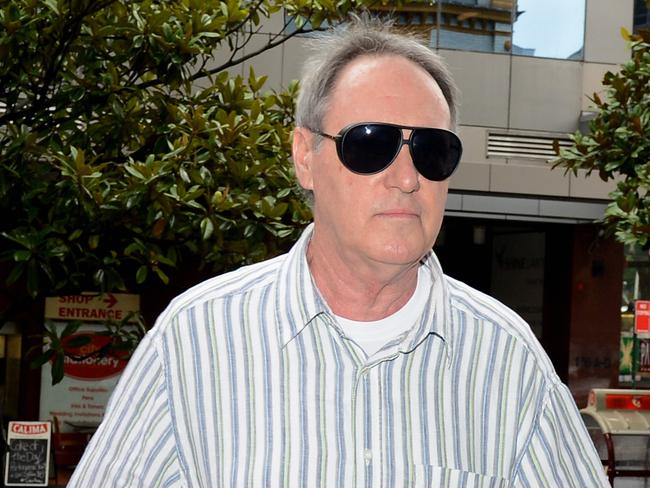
point(28, 454)
point(92, 307)
point(628, 355)
point(642, 316)
point(644, 356)
point(80, 399)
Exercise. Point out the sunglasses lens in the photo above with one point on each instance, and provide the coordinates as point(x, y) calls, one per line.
point(369, 148)
point(435, 153)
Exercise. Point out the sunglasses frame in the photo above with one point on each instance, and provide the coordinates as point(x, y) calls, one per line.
point(339, 139)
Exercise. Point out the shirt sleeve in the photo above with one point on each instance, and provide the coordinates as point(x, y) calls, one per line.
point(135, 443)
point(560, 451)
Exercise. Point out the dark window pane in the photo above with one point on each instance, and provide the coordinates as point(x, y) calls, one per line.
point(641, 16)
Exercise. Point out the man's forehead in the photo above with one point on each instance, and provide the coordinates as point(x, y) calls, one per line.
point(370, 81)
point(371, 72)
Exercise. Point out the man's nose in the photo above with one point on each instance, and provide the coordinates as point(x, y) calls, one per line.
point(401, 173)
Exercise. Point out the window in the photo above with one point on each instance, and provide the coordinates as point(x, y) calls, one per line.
point(641, 16)
point(635, 359)
point(476, 25)
point(549, 29)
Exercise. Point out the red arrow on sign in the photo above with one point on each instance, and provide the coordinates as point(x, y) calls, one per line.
point(111, 300)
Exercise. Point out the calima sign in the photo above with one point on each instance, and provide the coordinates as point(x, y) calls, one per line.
point(28, 454)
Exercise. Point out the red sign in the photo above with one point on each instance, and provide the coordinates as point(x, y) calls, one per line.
point(30, 428)
point(642, 316)
point(627, 402)
point(91, 367)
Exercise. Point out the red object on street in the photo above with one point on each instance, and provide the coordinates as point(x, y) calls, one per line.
point(627, 402)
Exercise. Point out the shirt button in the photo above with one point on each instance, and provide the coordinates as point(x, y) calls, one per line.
point(367, 455)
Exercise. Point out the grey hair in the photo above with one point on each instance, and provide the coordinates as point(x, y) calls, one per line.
point(332, 50)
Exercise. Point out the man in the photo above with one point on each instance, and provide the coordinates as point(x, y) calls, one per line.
point(352, 360)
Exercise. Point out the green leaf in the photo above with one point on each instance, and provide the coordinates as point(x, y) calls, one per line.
point(52, 5)
point(71, 328)
point(141, 274)
point(249, 230)
point(161, 274)
point(625, 34)
point(99, 277)
point(279, 209)
point(134, 172)
point(41, 359)
point(78, 341)
point(184, 176)
point(15, 274)
point(207, 228)
point(22, 255)
point(57, 368)
point(93, 241)
point(74, 235)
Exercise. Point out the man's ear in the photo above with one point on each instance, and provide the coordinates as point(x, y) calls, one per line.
point(303, 156)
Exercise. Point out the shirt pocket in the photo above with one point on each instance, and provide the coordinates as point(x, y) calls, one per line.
point(438, 477)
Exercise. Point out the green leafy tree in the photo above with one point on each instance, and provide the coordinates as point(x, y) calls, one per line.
point(128, 154)
point(618, 145)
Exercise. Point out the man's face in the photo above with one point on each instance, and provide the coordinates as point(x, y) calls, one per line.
point(388, 218)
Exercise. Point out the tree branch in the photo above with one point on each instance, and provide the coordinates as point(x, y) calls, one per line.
point(233, 62)
point(234, 29)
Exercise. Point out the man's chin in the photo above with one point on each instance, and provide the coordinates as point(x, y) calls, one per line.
point(402, 257)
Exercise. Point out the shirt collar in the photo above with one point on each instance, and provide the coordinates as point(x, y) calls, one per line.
point(298, 301)
point(436, 317)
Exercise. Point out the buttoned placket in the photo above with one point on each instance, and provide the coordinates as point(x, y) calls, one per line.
point(366, 435)
point(361, 460)
point(362, 450)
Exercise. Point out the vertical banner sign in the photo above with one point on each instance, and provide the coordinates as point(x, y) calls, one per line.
point(644, 356)
point(626, 362)
point(80, 399)
point(642, 316)
point(28, 454)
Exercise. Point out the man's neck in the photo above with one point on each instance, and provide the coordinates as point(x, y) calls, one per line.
point(361, 293)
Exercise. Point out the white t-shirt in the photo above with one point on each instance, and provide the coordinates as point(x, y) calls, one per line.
point(373, 335)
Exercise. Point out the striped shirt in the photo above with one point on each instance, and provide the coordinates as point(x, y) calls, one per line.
point(247, 380)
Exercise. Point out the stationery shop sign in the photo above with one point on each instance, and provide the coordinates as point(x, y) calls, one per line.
point(80, 399)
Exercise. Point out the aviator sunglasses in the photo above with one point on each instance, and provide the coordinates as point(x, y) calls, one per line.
point(370, 147)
